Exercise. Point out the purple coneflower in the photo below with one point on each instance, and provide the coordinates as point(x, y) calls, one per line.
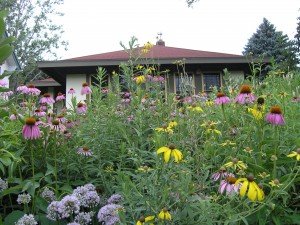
point(104, 90)
point(57, 126)
point(85, 89)
point(61, 118)
point(60, 97)
point(221, 99)
point(228, 185)
point(84, 151)
point(275, 116)
point(81, 108)
point(31, 90)
point(47, 99)
point(22, 89)
point(219, 175)
point(71, 91)
point(39, 113)
point(158, 79)
point(13, 117)
point(30, 129)
point(3, 83)
point(70, 124)
point(245, 96)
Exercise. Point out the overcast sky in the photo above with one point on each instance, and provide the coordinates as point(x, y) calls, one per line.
point(97, 26)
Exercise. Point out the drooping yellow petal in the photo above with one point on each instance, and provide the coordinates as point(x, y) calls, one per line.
point(162, 149)
point(244, 188)
point(298, 157)
point(252, 192)
point(149, 218)
point(292, 154)
point(139, 223)
point(167, 155)
point(161, 215)
point(260, 192)
point(177, 155)
point(168, 216)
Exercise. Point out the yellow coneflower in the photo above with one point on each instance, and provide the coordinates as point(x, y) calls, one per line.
point(235, 163)
point(165, 128)
point(211, 127)
point(172, 124)
point(263, 175)
point(164, 214)
point(170, 151)
point(227, 143)
point(142, 220)
point(195, 108)
point(275, 183)
point(254, 192)
point(209, 103)
point(295, 154)
point(140, 79)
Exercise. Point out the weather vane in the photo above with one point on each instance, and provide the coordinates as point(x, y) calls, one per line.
point(159, 34)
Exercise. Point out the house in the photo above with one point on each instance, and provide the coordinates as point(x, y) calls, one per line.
point(10, 64)
point(204, 68)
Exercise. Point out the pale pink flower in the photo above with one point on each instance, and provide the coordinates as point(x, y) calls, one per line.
point(13, 117)
point(60, 97)
point(245, 96)
point(32, 90)
point(22, 89)
point(71, 91)
point(85, 89)
point(219, 175)
point(47, 99)
point(222, 99)
point(228, 185)
point(39, 113)
point(84, 151)
point(3, 83)
point(81, 108)
point(275, 116)
point(30, 129)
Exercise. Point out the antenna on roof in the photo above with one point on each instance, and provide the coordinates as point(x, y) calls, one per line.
point(159, 39)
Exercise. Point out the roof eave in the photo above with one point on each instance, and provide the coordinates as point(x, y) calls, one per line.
point(77, 63)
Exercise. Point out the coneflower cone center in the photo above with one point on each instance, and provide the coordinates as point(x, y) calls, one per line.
point(220, 94)
point(31, 86)
point(231, 180)
point(172, 146)
point(55, 122)
point(86, 149)
point(245, 89)
point(30, 121)
point(276, 110)
point(85, 85)
point(250, 178)
point(298, 151)
point(79, 104)
point(47, 95)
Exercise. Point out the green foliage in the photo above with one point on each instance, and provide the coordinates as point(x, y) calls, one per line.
point(268, 42)
point(37, 37)
point(5, 43)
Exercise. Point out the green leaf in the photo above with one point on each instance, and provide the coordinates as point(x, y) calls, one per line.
point(13, 217)
point(5, 52)
point(5, 160)
point(8, 40)
point(2, 26)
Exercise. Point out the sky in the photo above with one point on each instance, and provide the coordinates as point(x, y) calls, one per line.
point(98, 26)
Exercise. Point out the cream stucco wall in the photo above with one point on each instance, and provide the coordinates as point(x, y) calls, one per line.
point(75, 81)
point(237, 75)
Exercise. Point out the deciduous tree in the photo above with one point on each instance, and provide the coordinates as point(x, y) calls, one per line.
point(31, 22)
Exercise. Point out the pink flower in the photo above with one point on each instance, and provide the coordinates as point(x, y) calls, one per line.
point(39, 113)
point(81, 108)
point(31, 90)
point(30, 129)
point(245, 96)
point(104, 90)
point(70, 124)
point(71, 91)
point(222, 99)
point(57, 126)
point(60, 97)
point(275, 116)
point(219, 175)
point(228, 185)
point(84, 151)
point(3, 83)
point(47, 99)
point(85, 89)
point(13, 117)
point(61, 118)
point(158, 79)
point(22, 89)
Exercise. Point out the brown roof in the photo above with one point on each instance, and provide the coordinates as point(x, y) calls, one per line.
point(48, 82)
point(156, 52)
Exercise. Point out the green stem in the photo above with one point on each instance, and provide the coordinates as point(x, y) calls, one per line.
point(32, 158)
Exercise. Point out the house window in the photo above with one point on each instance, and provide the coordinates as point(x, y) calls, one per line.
point(184, 83)
point(211, 80)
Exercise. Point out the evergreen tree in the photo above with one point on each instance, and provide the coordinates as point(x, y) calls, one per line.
point(37, 37)
point(268, 42)
point(297, 38)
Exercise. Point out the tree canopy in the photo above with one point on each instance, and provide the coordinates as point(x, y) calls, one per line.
point(37, 36)
point(271, 43)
